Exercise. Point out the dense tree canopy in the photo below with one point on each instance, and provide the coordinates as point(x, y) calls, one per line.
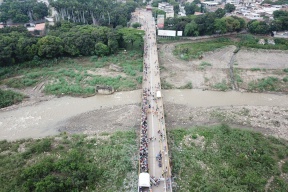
point(191, 8)
point(65, 39)
point(229, 7)
point(206, 24)
point(96, 12)
point(258, 27)
point(280, 21)
point(22, 11)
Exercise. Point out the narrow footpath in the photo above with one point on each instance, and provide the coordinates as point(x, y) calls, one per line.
point(153, 145)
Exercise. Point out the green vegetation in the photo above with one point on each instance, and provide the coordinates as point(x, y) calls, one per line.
point(265, 84)
point(188, 51)
point(165, 84)
point(187, 86)
point(195, 50)
point(204, 64)
point(221, 86)
point(70, 163)
point(255, 69)
point(77, 76)
point(223, 159)
point(285, 167)
point(8, 98)
point(24, 12)
point(65, 39)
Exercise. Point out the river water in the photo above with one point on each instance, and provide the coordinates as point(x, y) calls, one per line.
point(199, 98)
point(41, 119)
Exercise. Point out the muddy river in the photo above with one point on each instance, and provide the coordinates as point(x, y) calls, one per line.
point(40, 120)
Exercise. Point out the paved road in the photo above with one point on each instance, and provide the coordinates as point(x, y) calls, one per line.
point(155, 116)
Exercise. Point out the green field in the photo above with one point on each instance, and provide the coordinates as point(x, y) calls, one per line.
point(215, 158)
point(107, 162)
point(223, 159)
point(76, 76)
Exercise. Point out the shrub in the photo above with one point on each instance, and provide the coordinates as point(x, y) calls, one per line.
point(264, 84)
point(221, 86)
point(101, 49)
point(187, 86)
point(136, 25)
point(8, 98)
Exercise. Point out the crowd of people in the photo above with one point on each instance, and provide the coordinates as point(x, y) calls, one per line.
point(150, 105)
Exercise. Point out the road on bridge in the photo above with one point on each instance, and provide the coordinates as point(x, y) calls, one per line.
point(157, 147)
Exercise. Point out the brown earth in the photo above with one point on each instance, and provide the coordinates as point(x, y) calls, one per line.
point(249, 65)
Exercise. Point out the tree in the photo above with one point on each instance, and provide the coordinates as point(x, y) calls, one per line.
point(241, 21)
point(191, 29)
point(50, 47)
point(22, 11)
point(232, 24)
point(205, 23)
point(130, 36)
point(220, 25)
point(229, 7)
point(176, 9)
point(279, 13)
point(191, 8)
point(258, 27)
point(220, 13)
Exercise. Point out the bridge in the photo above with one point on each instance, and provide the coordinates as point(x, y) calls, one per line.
point(154, 157)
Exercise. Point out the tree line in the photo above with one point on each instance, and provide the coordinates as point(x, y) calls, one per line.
point(205, 24)
point(65, 39)
point(280, 23)
point(215, 23)
point(96, 12)
point(22, 11)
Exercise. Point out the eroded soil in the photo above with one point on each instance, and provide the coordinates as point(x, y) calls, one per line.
point(250, 65)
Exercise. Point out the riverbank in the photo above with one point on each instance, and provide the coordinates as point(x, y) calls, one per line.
point(267, 113)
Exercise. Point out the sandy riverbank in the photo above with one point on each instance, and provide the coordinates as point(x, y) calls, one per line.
point(267, 113)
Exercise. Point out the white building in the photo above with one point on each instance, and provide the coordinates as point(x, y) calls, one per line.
point(182, 11)
point(169, 9)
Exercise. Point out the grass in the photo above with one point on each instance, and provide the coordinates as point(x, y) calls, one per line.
point(76, 76)
point(165, 84)
point(255, 69)
point(190, 51)
point(70, 163)
point(8, 98)
point(223, 159)
point(221, 86)
point(264, 84)
point(187, 86)
point(204, 64)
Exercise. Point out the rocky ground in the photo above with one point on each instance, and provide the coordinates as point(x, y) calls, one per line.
point(265, 119)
